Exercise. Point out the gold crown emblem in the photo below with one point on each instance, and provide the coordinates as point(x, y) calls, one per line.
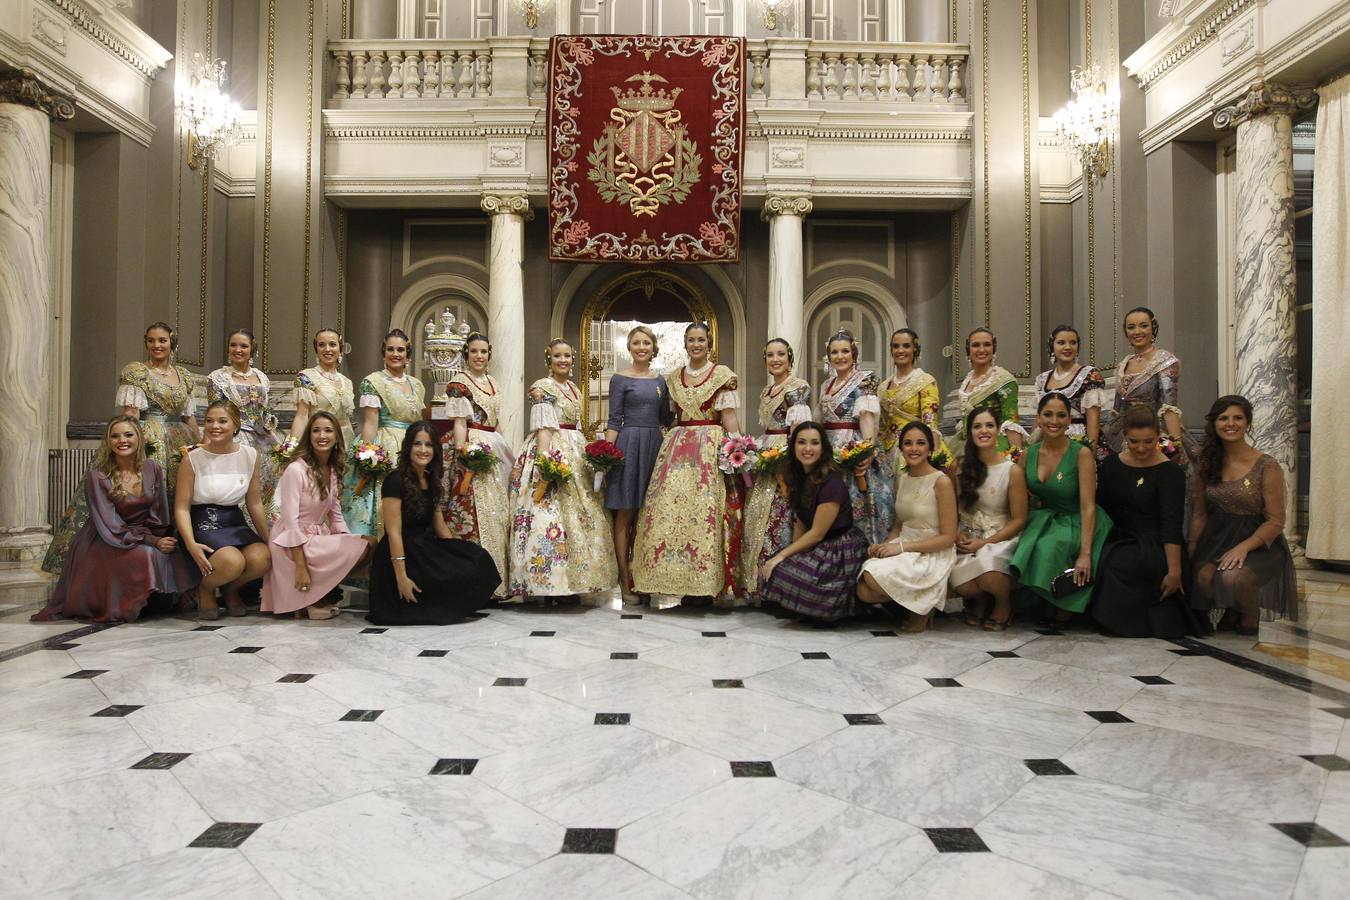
point(645, 98)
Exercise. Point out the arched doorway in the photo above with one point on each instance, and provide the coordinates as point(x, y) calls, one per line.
point(662, 301)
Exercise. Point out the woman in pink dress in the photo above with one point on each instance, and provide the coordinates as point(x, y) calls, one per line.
point(312, 550)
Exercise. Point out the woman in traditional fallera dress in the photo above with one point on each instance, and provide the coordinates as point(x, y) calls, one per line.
point(850, 411)
point(990, 386)
point(249, 389)
point(390, 400)
point(992, 511)
point(160, 394)
point(639, 407)
point(912, 564)
point(910, 395)
point(685, 529)
point(815, 574)
point(561, 544)
point(215, 479)
point(125, 552)
point(312, 550)
point(784, 403)
point(1082, 385)
point(477, 506)
point(1150, 376)
point(1242, 560)
point(1140, 580)
point(323, 388)
point(421, 574)
point(1065, 534)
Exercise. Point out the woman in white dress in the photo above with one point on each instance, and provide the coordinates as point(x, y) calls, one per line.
point(992, 511)
point(323, 388)
point(912, 564)
point(220, 475)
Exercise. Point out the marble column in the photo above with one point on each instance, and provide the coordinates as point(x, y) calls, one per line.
point(1264, 316)
point(784, 215)
point(506, 308)
point(26, 110)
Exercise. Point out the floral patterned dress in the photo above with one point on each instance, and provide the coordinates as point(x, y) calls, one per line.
point(165, 411)
point(330, 393)
point(561, 545)
point(914, 398)
point(400, 402)
point(1085, 390)
point(479, 511)
point(685, 530)
point(843, 400)
point(257, 428)
point(768, 515)
point(997, 390)
point(1156, 386)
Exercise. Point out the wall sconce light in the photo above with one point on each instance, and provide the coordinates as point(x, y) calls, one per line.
point(775, 11)
point(1088, 123)
point(530, 10)
point(209, 115)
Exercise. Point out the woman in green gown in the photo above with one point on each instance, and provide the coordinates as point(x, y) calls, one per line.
point(1065, 535)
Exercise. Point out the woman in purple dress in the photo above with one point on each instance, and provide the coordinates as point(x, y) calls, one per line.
point(123, 554)
point(639, 406)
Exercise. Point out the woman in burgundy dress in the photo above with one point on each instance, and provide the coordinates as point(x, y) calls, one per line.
point(123, 554)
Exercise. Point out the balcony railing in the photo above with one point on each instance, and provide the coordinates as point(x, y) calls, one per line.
point(513, 69)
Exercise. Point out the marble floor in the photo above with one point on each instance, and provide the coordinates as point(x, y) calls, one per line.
point(594, 753)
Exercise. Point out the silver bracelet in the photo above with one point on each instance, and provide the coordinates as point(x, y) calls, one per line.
point(397, 558)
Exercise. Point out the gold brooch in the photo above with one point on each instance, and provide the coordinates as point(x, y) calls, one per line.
point(1140, 482)
point(1246, 482)
point(1059, 476)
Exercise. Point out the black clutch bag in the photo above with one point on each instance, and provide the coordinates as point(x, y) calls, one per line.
point(1063, 585)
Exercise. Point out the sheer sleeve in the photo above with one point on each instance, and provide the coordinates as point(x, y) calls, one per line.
point(726, 398)
point(798, 406)
point(304, 391)
point(129, 393)
point(1272, 501)
point(1007, 408)
point(457, 404)
point(1095, 394)
point(214, 391)
point(616, 410)
point(1169, 383)
point(543, 408)
point(286, 531)
point(370, 398)
point(1171, 503)
point(103, 515)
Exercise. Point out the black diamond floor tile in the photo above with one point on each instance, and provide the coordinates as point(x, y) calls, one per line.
point(630, 615)
point(590, 840)
point(434, 653)
point(208, 627)
point(752, 769)
point(623, 654)
point(361, 715)
point(612, 718)
point(714, 634)
point(884, 634)
point(161, 760)
point(1329, 761)
point(943, 682)
point(1048, 767)
point(542, 633)
point(956, 840)
point(1002, 654)
point(86, 673)
point(115, 711)
point(728, 683)
point(815, 654)
point(453, 767)
point(226, 835)
point(1151, 679)
point(509, 682)
point(1310, 834)
point(863, 719)
point(1108, 716)
point(246, 649)
point(295, 678)
point(373, 630)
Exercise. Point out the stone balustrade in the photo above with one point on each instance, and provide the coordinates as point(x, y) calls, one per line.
point(505, 69)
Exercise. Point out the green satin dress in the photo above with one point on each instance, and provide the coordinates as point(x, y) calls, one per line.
point(1051, 540)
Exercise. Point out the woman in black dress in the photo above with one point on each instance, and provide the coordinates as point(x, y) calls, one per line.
point(1139, 578)
point(421, 575)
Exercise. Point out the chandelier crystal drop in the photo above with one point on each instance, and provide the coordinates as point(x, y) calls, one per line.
point(530, 10)
point(1087, 124)
point(211, 118)
point(774, 12)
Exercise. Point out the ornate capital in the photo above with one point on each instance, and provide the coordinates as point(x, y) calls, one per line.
point(507, 205)
point(780, 205)
point(1266, 99)
point(22, 86)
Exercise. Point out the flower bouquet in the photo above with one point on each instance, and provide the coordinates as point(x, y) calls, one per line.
point(475, 459)
point(552, 470)
point(372, 461)
point(1014, 453)
point(282, 453)
point(736, 455)
point(771, 461)
point(854, 454)
point(176, 458)
point(602, 457)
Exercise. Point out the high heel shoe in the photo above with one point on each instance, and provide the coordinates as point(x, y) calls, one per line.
point(992, 624)
point(917, 624)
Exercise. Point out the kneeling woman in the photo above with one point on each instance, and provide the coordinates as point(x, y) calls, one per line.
point(422, 575)
point(123, 553)
point(1139, 579)
point(219, 477)
point(312, 550)
point(1063, 540)
point(913, 564)
point(815, 574)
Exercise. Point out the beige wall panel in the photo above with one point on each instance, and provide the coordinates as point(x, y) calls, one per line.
point(370, 251)
point(1057, 269)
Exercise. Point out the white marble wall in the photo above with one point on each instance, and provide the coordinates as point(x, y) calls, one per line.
point(785, 215)
point(506, 309)
point(25, 321)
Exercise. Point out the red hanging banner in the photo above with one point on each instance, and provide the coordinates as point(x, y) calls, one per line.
point(645, 138)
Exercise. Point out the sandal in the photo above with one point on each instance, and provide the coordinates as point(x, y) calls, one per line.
point(319, 612)
point(972, 618)
point(992, 624)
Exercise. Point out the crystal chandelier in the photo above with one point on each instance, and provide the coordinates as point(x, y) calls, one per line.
point(209, 115)
point(1087, 123)
point(530, 10)
point(773, 10)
